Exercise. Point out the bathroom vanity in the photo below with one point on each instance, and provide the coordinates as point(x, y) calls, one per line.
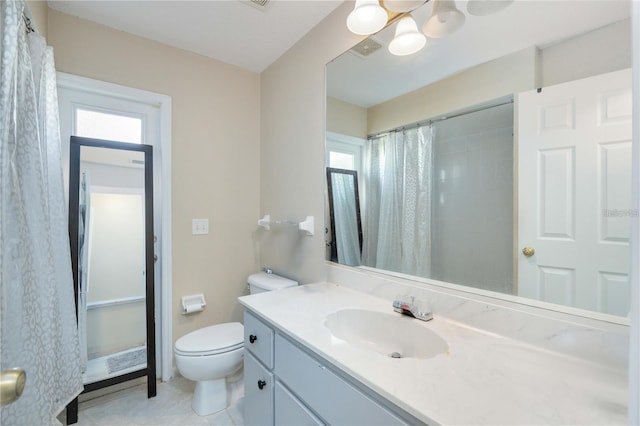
point(287, 384)
point(298, 372)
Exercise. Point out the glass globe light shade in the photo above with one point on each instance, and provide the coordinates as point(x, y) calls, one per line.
point(408, 39)
point(367, 17)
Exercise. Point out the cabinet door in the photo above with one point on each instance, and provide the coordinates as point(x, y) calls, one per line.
point(258, 339)
point(290, 411)
point(334, 399)
point(258, 393)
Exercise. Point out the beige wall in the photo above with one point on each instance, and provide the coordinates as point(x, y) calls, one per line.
point(600, 51)
point(501, 77)
point(292, 137)
point(215, 154)
point(346, 119)
point(114, 328)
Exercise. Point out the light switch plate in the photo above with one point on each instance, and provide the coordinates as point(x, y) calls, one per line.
point(199, 226)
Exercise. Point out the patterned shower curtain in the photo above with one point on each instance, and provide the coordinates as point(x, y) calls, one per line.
point(38, 325)
point(398, 180)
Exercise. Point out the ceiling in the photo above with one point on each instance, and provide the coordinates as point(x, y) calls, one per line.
point(523, 24)
point(232, 31)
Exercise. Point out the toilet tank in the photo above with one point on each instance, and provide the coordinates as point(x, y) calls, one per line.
point(262, 282)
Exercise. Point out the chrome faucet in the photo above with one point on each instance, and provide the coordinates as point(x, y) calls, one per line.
point(407, 305)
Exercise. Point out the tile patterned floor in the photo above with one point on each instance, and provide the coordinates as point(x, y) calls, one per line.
point(171, 406)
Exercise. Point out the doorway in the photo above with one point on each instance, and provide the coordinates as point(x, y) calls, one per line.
point(575, 149)
point(97, 109)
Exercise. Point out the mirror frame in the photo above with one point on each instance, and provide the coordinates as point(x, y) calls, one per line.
point(74, 215)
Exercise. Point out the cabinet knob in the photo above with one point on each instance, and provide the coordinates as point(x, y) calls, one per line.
point(252, 338)
point(261, 384)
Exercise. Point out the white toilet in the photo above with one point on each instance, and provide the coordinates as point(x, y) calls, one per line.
point(210, 354)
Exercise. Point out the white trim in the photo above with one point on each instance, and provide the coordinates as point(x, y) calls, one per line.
point(166, 244)
point(634, 332)
point(71, 81)
point(340, 138)
point(116, 190)
point(114, 302)
point(163, 102)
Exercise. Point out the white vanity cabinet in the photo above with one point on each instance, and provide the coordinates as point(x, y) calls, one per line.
point(288, 385)
point(258, 378)
point(258, 392)
point(290, 411)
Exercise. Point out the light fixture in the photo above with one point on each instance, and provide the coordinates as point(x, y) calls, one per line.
point(367, 17)
point(445, 19)
point(408, 39)
point(486, 7)
point(370, 16)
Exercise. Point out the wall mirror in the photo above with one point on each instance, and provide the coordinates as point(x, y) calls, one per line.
point(111, 233)
point(498, 157)
point(344, 216)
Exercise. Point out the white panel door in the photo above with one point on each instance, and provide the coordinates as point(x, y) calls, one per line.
point(574, 193)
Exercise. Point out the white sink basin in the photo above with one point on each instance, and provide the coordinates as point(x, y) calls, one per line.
point(392, 334)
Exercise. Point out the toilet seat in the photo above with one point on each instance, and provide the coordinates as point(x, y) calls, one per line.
point(207, 353)
point(212, 340)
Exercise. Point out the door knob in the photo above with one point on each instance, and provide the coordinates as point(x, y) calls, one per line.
point(528, 251)
point(12, 383)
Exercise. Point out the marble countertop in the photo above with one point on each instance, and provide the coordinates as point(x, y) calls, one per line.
point(484, 378)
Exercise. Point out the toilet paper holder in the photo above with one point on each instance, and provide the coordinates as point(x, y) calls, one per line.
point(193, 303)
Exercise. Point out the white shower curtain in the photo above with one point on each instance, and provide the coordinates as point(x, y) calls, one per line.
point(397, 174)
point(38, 325)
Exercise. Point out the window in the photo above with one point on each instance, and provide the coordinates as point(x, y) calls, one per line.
point(102, 125)
point(342, 160)
point(343, 152)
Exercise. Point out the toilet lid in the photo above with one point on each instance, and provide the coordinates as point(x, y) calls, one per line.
point(215, 338)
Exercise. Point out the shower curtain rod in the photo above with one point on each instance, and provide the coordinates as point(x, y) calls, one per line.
point(496, 103)
point(27, 22)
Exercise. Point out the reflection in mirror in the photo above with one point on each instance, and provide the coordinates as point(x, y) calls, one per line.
point(344, 211)
point(112, 282)
point(432, 187)
point(503, 167)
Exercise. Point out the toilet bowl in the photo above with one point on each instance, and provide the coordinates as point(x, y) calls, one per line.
point(208, 356)
point(211, 354)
